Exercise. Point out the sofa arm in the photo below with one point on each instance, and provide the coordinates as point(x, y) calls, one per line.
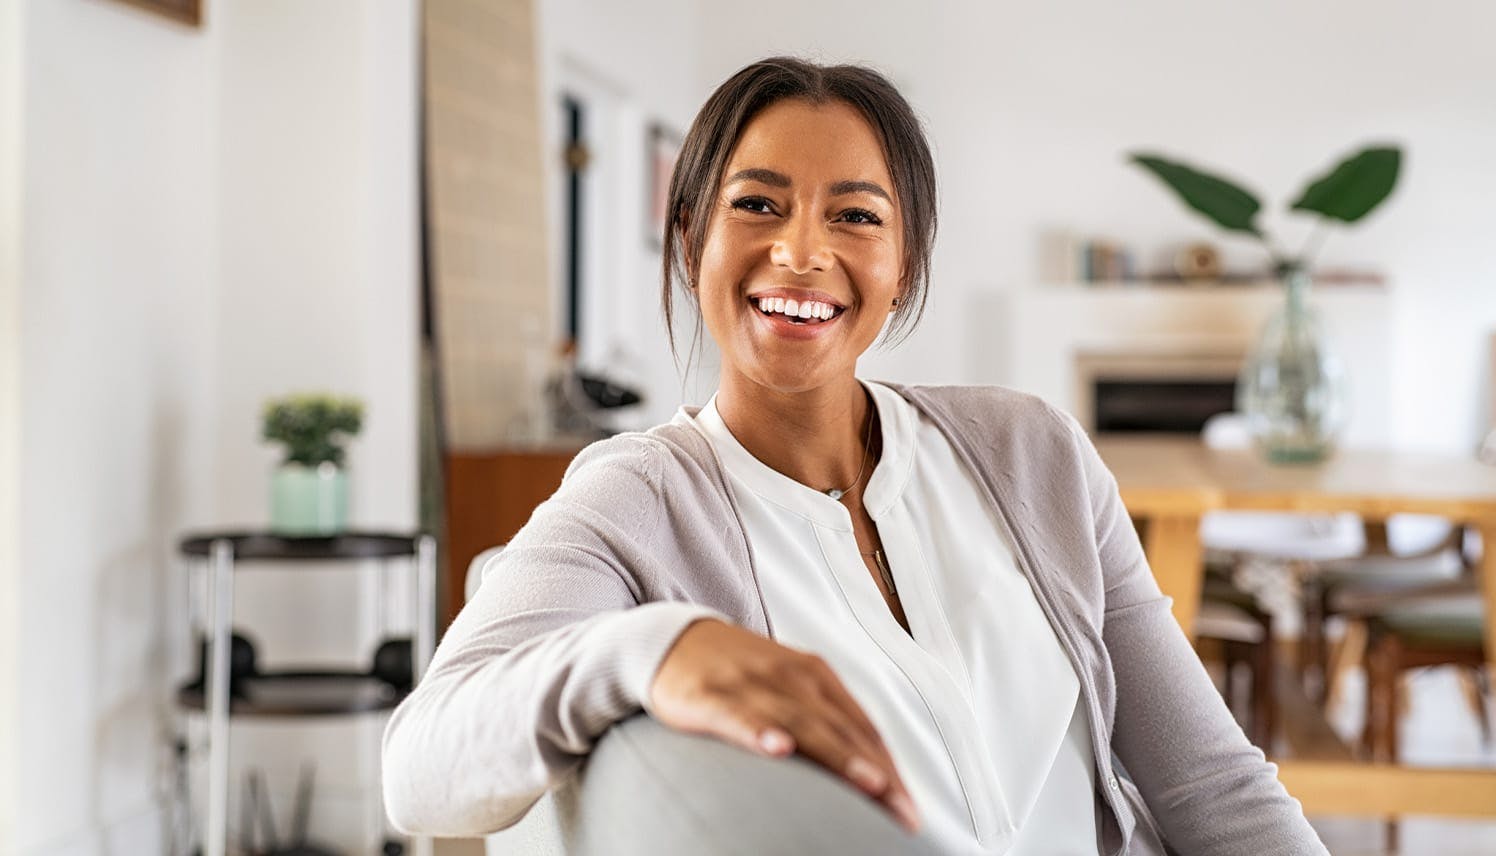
point(650, 790)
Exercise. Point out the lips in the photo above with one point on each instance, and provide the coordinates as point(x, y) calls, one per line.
point(798, 329)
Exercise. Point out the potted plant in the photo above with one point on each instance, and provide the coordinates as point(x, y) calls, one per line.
point(1292, 387)
point(309, 491)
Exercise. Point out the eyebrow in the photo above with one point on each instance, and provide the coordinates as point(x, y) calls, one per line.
point(779, 179)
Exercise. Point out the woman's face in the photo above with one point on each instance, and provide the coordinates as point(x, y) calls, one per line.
point(805, 214)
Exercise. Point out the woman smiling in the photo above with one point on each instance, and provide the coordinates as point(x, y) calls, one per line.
point(933, 593)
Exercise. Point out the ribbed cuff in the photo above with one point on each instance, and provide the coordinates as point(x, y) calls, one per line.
point(654, 629)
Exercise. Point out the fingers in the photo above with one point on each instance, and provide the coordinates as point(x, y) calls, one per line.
point(822, 733)
point(837, 695)
point(721, 680)
point(871, 742)
point(864, 765)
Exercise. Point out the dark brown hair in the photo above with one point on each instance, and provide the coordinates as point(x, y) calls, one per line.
point(715, 131)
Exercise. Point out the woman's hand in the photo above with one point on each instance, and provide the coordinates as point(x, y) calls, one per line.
point(733, 684)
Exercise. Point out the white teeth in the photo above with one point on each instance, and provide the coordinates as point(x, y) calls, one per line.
point(808, 309)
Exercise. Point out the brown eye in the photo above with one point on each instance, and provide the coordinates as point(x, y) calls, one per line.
point(751, 203)
point(867, 217)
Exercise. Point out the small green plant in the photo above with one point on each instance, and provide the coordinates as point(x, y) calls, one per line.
point(313, 427)
point(1350, 191)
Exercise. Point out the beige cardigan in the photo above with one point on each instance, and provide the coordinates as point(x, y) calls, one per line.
point(565, 635)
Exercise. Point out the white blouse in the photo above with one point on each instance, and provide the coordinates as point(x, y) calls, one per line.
point(981, 708)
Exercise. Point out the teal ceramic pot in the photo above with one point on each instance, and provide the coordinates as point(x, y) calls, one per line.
point(309, 500)
point(1292, 387)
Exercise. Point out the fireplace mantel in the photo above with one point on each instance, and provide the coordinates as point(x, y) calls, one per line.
point(1053, 340)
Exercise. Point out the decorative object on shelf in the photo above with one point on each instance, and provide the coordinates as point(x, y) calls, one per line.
point(257, 833)
point(577, 398)
point(242, 664)
point(1065, 257)
point(394, 663)
point(309, 491)
point(1292, 386)
point(1198, 262)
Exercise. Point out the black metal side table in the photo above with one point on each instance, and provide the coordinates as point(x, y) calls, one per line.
point(292, 693)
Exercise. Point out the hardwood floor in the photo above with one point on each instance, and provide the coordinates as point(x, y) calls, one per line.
point(1439, 729)
point(460, 847)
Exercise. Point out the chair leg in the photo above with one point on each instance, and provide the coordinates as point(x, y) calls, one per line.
point(1470, 683)
point(1347, 653)
point(1312, 649)
point(1264, 696)
point(1383, 668)
point(1230, 656)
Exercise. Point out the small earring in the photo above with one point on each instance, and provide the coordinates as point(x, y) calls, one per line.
point(895, 301)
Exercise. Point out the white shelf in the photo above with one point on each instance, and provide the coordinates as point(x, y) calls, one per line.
point(1206, 287)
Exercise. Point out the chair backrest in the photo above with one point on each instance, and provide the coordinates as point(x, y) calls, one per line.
point(475, 571)
point(1281, 535)
point(1227, 431)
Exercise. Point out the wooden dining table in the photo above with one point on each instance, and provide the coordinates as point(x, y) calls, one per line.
point(1172, 482)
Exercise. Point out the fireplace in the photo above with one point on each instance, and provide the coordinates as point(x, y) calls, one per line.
point(1151, 392)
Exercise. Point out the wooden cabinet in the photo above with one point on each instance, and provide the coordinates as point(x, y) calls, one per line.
point(489, 496)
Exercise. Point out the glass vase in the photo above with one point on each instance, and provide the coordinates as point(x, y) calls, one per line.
point(1292, 386)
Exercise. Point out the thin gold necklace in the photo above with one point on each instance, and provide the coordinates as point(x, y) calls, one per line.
point(878, 560)
point(838, 494)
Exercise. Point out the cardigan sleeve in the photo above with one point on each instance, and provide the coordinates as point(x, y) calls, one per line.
point(1210, 790)
point(553, 648)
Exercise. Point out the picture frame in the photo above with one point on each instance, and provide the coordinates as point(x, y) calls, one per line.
point(189, 12)
point(660, 151)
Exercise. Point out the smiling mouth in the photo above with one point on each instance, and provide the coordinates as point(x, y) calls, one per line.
point(809, 313)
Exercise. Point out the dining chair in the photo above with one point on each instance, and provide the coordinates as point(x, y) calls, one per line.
point(1253, 560)
point(1407, 557)
point(1419, 631)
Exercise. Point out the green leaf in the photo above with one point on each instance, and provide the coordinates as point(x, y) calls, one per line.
point(1355, 186)
point(313, 427)
point(1230, 206)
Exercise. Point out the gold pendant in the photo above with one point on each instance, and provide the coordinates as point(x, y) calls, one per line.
point(884, 572)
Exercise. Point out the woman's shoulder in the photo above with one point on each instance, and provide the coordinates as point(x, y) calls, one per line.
point(989, 408)
point(671, 462)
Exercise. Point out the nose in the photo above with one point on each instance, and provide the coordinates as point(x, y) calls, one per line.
point(801, 245)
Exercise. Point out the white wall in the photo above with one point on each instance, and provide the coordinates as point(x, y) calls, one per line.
point(1031, 108)
point(209, 217)
point(11, 64)
point(319, 263)
point(319, 237)
point(118, 309)
point(639, 60)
